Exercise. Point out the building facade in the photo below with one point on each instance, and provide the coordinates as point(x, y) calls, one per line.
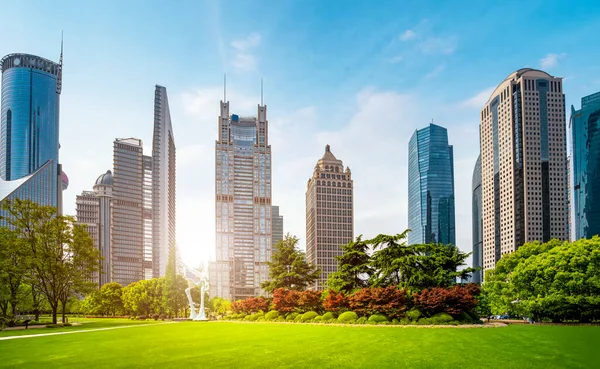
point(477, 223)
point(163, 184)
point(329, 214)
point(243, 205)
point(431, 214)
point(127, 212)
point(523, 163)
point(277, 225)
point(585, 162)
point(147, 216)
point(29, 127)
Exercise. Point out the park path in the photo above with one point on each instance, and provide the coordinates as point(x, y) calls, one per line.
point(80, 331)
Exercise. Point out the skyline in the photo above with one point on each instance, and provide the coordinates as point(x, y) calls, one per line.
point(396, 78)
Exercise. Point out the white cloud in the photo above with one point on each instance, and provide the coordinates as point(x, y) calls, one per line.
point(408, 35)
point(437, 70)
point(477, 101)
point(551, 60)
point(244, 59)
point(438, 45)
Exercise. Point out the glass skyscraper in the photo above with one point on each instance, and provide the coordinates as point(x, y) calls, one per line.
point(585, 163)
point(243, 205)
point(29, 125)
point(431, 215)
point(477, 222)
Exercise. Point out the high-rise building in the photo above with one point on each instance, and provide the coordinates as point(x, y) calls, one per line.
point(585, 163)
point(431, 215)
point(94, 210)
point(243, 205)
point(127, 212)
point(163, 183)
point(477, 223)
point(29, 126)
point(329, 214)
point(523, 163)
point(277, 228)
point(147, 215)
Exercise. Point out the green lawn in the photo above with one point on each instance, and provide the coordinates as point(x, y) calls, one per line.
point(85, 325)
point(264, 345)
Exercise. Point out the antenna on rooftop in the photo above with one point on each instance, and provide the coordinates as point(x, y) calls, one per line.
point(225, 87)
point(261, 91)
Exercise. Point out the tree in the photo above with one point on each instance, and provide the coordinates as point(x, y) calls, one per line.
point(171, 300)
point(111, 298)
point(288, 267)
point(392, 261)
point(354, 267)
point(219, 306)
point(61, 253)
point(13, 269)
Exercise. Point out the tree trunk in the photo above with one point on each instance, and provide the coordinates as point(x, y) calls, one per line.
point(54, 308)
point(64, 309)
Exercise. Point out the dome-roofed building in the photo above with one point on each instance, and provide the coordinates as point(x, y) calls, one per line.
point(105, 179)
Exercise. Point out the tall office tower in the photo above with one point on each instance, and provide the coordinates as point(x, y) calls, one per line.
point(147, 215)
point(243, 205)
point(585, 161)
point(277, 225)
point(127, 211)
point(29, 125)
point(163, 183)
point(329, 215)
point(523, 163)
point(431, 215)
point(94, 210)
point(569, 201)
point(477, 223)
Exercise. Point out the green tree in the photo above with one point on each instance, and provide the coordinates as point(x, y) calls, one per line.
point(173, 293)
point(62, 256)
point(218, 306)
point(354, 268)
point(288, 267)
point(144, 297)
point(13, 269)
point(111, 298)
point(392, 262)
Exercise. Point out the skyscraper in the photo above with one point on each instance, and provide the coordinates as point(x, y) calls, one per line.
point(431, 215)
point(329, 214)
point(585, 163)
point(523, 163)
point(277, 225)
point(163, 183)
point(477, 222)
point(147, 215)
point(29, 126)
point(127, 210)
point(243, 205)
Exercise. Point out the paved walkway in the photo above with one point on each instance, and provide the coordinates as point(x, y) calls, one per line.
point(80, 331)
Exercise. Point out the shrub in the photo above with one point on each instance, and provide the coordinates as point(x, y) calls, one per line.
point(309, 315)
point(361, 320)
point(285, 301)
point(449, 300)
point(298, 318)
point(271, 315)
point(155, 316)
point(378, 318)
point(141, 317)
point(254, 317)
point(250, 305)
point(413, 315)
point(260, 319)
point(309, 301)
point(241, 316)
point(335, 302)
point(291, 316)
point(405, 321)
point(281, 319)
point(248, 318)
point(347, 317)
point(318, 318)
point(464, 318)
point(162, 317)
point(132, 317)
point(328, 316)
point(442, 318)
point(384, 300)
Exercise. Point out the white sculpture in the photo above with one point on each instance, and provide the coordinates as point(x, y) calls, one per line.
point(204, 286)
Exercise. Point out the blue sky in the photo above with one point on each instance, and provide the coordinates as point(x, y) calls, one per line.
point(359, 75)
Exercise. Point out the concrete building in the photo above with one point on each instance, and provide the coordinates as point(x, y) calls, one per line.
point(243, 205)
point(523, 163)
point(477, 223)
point(329, 214)
point(585, 162)
point(147, 215)
point(277, 225)
point(431, 214)
point(163, 184)
point(29, 130)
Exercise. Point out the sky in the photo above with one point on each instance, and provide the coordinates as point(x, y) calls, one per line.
point(358, 75)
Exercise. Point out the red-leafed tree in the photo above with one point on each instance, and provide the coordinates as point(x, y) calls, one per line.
point(335, 302)
point(309, 301)
point(453, 300)
point(285, 301)
point(389, 301)
point(250, 305)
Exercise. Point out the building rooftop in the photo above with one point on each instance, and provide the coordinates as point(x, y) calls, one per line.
point(105, 179)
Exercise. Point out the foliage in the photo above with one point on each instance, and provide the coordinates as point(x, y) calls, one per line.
point(354, 267)
point(347, 317)
point(378, 318)
point(309, 301)
point(449, 300)
point(298, 318)
point(335, 301)
point(555, 280)
point(291, 316)
point(219, 306)
point(272, 315)
point(284, 300)
point(309, 315)
point(385, 300)
point(413, 314)
point(443, 317)
point(144, 297)
point(174, 285)
point(14, 260)
point(288, 267)
point(251, 305)
point(328, 316)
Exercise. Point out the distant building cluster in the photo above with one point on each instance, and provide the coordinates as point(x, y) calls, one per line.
point(526, 185)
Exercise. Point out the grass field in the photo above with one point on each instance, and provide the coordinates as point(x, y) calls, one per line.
point(261, 345)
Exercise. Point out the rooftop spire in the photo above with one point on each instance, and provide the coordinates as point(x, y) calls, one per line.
point(261, 91)
point(225, 87)
point(60, 66)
